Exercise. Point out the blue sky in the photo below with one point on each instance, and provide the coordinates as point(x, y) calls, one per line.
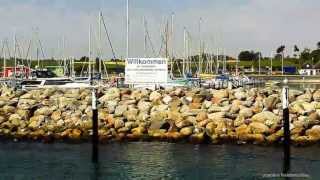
point(233, 24)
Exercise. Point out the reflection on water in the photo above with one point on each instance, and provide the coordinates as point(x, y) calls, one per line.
point(150, 160)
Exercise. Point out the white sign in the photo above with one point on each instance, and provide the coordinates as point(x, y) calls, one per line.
point(146, 71)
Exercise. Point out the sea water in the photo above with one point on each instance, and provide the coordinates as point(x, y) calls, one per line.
point(152, 160)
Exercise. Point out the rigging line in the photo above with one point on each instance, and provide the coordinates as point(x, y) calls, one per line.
point(108, 37)
point(39, 41)
point(27, 53)
point(149, 38)
point(41, 48)
point(2, 49)
point(162, 43)
point(8, 49)
point(162, 39)
point(19, 50)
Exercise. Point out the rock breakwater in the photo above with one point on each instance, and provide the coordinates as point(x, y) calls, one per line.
point(194, 115)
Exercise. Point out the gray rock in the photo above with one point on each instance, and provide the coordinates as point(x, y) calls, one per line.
point(120, 110)
point(111, 94)
point(154, 96)
point(270, 102)
point(144, 106)
point(240, 95)
point(118, 123)
point(246, 112)
point(266, 117)
point(167, 99)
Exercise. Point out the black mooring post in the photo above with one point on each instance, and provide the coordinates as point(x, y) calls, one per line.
point(95, 138)
point(286, 128)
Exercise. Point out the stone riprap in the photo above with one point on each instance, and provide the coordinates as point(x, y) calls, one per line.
point(178, 114)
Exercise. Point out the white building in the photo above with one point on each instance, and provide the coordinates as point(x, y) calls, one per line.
point(309, 70)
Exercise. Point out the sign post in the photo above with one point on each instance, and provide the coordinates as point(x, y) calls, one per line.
point(286, 127)
point(95, 136)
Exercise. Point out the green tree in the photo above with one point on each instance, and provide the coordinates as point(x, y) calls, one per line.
point(315, 55)
point(281, 49)
point(248, 56)
point(305, 55)
point(84, 58)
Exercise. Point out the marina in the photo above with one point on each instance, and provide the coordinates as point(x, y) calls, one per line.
point(193, 91)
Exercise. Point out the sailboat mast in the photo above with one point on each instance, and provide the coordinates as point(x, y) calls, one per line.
point(89, 53)
point(271, 57)
point(100, 46)
point(144, 37)
point(259, 56)
point(15, 54)
point(200, 42)
point(184, 52)
point(128, 24)
point(172, 35)
point(4, 59)
point(224, 61)
point(217, 59)
point(64, 56)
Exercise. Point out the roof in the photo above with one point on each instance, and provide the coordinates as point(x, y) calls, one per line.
point(310, 66)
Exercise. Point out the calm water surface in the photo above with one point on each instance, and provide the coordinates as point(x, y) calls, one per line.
point(150, 160)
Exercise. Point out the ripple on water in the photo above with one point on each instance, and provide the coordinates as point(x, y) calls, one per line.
point(149, 160)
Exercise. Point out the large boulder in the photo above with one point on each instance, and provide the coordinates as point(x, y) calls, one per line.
point(316, 96)
point(246, 112)
point(259, 128)
point(24, 114)
point(201, 116)
point(120, 110)
point(240, 95)
point(271, 101)
point(294, 93)
point(186, 131)
point(223, 93)
point(266, 117)
point(8, 109)
point(65, 102)
point(46, 111)
point(183, 123)
point(15, 119)
point(72, 93)
point(144, 106)
point(305, 97)
point(314, 133)
point(118, 123)
point(159, 124)
point(167, 99)
point(143, 116)
point(131, 114)
point(154, 96)
point(111, 94)
point(158, 115)
point(26, 103)
point(215, 116)
point(56, 115)
point(111, 106)
point(301, 107)
point(221, 127)
point(215, 108)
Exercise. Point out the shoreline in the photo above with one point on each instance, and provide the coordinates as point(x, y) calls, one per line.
point(194, 115)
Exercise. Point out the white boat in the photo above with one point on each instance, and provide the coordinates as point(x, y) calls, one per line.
point(53, 83)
